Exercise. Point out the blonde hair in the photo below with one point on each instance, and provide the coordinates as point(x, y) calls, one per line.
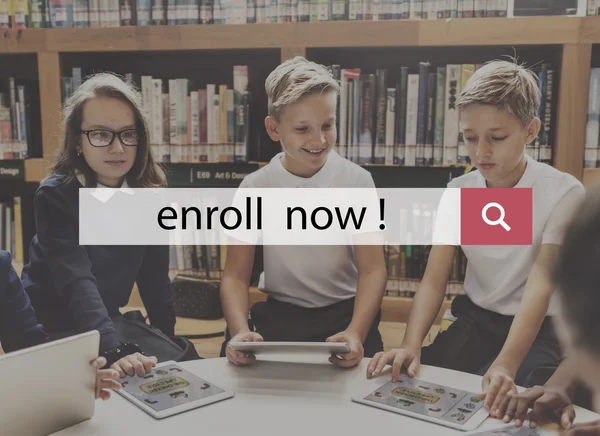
point(510, 87)
point(294, 79)
point(145, 172)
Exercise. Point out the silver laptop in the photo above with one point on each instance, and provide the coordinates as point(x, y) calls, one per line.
point(48, 387)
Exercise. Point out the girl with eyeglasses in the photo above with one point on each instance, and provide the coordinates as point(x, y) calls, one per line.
point(75, 288)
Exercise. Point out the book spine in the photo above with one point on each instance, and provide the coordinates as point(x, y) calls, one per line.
point(367, 113)
point(422, 113)
point(390, 126)
point(401, 97)
point(451, 116)
point(438, 139)
point(412, 115)
point(241, 103)
point(380, 117)
point(546, 149)
point(429, 132)
point(466, 72)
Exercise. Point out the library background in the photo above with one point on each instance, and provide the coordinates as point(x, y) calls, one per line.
point(201, 66)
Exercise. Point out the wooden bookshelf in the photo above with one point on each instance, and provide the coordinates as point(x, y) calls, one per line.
point(591, 176)
point(452, 32)
point(572, 36)
point(568, 41)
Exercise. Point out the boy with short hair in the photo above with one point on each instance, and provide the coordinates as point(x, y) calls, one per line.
point(315, 293)
point(19, 329)
point(577, 277)
point(504, 325)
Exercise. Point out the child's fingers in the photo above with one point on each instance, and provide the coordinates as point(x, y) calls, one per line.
point(413, 369)
point(499, 405)
point(399, 360)
point(492, 391)
point(138, 367)
point(373, 363)
point(110, 384)
point(148, 363)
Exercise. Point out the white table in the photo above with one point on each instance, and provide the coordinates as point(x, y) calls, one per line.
point(282, 399)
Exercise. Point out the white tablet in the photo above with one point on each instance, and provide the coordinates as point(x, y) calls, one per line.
point(510, 430)
point(442, 405)
point(169, 390)
point(267, 347)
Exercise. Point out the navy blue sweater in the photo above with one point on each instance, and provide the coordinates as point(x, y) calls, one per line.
point(80, 288)
point(18, 325)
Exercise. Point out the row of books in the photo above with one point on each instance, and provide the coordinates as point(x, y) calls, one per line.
point(592, 138)
point(410, 118)
point(188, 124)
point(405, 265)
point(115, 13)
point(11, 234)
point(14, 123)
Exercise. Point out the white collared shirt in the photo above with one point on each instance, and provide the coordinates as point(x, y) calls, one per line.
point(496, 275)
point(310, 276)
point(105, 193)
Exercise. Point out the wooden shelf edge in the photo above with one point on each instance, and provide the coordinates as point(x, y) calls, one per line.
point(450, 32)
point(35, 170)
point(591, 177)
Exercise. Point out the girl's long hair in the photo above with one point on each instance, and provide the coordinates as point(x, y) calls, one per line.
point(145, 173)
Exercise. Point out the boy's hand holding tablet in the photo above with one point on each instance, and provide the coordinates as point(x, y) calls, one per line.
point(356, 353)
point(239, 357)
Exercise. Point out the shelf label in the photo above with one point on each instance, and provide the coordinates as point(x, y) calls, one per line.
point(12, 169)
point(209, 174)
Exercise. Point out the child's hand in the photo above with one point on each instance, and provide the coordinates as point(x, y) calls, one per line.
point(105, 379)
point(133, 364)
point(238, 357)
point(497, 383)
point(356, 353)
point(591, 428)
point(397, 358)
point(544, 402)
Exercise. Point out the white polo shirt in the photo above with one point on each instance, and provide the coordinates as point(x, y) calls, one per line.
point(310, 276)
point(496, 275)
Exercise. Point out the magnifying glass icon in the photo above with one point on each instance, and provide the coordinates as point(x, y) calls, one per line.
point(499, 220)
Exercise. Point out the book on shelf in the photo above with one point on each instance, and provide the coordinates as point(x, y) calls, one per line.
point(409, 118)
point(592, 136)
point(20, 14)
point(19, 119)
point(189, 123)
point(17, 226)
point(406, 266)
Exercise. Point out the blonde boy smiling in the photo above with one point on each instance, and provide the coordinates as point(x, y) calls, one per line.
point(315, 293)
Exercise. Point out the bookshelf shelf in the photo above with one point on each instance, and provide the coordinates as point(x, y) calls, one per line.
point(450, 32)
point(591, 176)
point(35, 169)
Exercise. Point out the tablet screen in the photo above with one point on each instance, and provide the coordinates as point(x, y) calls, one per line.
point(428, 399)
point(168, 386)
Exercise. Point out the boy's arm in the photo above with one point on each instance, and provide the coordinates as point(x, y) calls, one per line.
point(234, 287)
point(498, 381)
point(426, 305)
point(534, 305)
point(372, 278)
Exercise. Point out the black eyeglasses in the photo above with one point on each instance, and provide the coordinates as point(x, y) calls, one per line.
point(103, 137)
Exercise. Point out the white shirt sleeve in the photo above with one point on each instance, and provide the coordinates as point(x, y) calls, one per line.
point(561, 215)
